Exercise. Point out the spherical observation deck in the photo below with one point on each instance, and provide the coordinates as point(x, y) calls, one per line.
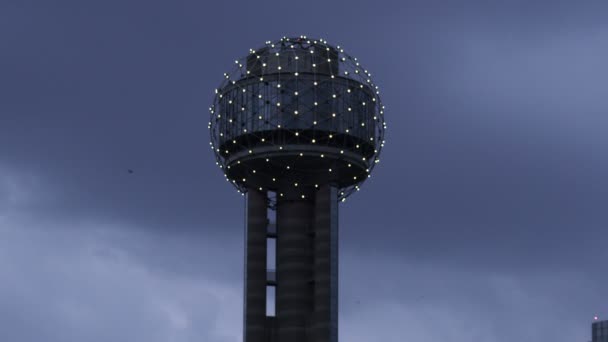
point(296, 114)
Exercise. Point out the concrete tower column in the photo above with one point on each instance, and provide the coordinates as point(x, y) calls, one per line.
point(325, 321)
point(294, 268)
point(255, 267)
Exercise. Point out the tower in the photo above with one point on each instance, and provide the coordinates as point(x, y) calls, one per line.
point(599, 331)
point(297, 126)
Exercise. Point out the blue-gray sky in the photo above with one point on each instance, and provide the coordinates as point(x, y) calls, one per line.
point(485, 221)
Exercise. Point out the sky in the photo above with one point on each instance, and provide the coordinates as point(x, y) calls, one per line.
point(485, 221)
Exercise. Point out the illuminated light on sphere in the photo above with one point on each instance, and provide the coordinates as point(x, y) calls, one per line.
point(325, 105)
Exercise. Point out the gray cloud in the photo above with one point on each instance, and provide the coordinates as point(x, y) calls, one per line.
point(489, 200)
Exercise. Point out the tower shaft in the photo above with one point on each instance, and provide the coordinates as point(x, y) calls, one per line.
point(306, 281)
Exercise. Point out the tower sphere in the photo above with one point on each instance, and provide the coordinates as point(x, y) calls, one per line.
point(295, 114)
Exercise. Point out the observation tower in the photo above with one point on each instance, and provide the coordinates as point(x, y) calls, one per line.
point(296, 127)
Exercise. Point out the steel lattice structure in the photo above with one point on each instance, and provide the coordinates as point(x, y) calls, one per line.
point(297, 113)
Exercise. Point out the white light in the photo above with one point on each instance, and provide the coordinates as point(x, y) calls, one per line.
point(301, 154)
point(314, 141)
point(314, 122)
point(329, 170)
point(264, 65)
point(322, 156)
point(302, 196)
point(296, 74)
point(314, 65)
point(279, 67)
point(297, 133)
point(253, 171)
point(244, 90)
point(295, 184)
point(250, 151)
point(297, 58)
point(295, 112)
point(331, 136)
point(315, 83)
point(341, 151)
point(274, 179)
point(263, 139)
point(295, 93)
point(362, 124)
point(334, 96)
point(278, 104)
point(333, 115)
point(316, 103)
point(279, 85)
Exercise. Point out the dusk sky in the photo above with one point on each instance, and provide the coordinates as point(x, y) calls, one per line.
point(485, 221)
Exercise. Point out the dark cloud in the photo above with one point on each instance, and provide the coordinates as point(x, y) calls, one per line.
point(490, 200)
